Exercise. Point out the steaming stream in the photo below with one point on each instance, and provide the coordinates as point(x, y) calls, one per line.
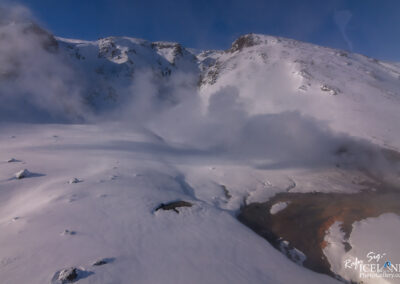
point(308, 216)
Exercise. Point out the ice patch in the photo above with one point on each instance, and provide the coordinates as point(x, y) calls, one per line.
point(277, 207)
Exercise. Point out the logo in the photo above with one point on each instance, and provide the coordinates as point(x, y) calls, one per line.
point(377, 265)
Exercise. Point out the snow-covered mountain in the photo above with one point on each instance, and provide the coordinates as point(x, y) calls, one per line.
point(353, 93)
point(148, 123)
point(113, 63)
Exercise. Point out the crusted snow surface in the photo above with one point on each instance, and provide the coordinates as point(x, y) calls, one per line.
point(115, 217)
point(349, 91)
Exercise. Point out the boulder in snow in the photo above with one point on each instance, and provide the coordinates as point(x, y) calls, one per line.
point(74, 180)
point(22, 174)
point(331, 90)
point(70, 275)
point(68, 232)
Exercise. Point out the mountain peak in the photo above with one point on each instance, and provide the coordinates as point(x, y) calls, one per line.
point(252, 39)
point(244, 41)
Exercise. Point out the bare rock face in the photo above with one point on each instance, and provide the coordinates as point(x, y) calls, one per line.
point(178, 51)
point(108, 49)
point(176, 47)
point(212, 75)
point(244, 41)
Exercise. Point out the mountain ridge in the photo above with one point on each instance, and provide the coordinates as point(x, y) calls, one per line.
point(268, 74)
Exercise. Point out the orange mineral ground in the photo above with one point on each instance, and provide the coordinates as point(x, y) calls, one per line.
point(308, 216)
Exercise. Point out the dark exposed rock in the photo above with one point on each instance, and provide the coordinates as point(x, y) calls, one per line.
point(303, 88)
point(173, 205)
point(99, 262)
point(69, 232)
point(305, 74)
point(177, 50)
point(342, 53)
point(103, 261)
point(22, 174)
point(26, 174)
point(244, 41)
point(212, 75)
point(226, 191)
point(74, 180)
point(163, 45)
point(108, 49)
point(68, 275)
point(331, 90)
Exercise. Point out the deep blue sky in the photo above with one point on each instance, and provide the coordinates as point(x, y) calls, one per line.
point(373, 26)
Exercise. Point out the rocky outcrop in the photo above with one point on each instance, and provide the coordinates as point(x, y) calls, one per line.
point(68, 275)
point(244, 41)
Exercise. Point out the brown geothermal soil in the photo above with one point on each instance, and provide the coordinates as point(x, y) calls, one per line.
point(307, 217)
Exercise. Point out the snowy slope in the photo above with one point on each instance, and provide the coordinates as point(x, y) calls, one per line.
point(155, 122)
point(110, 65)
point(112, 213)
point(354, 93)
